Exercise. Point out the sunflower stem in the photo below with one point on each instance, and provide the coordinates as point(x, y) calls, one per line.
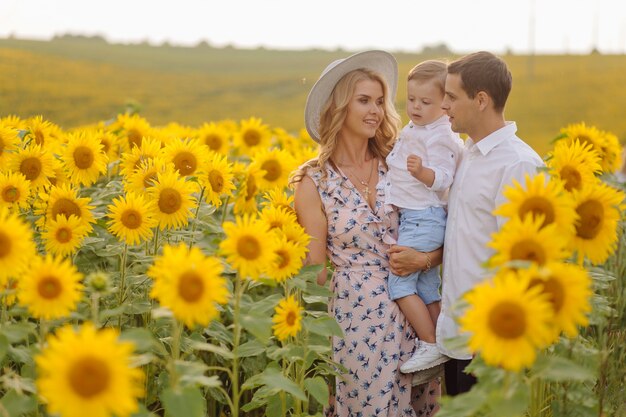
point(239, 288)
point(225, 210)
point(95, 307)
point(122, 288)
point(43, 331)
point(195, 219)
point(156, 240)
point(177, 329)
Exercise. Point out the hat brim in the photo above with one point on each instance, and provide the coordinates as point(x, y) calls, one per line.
point(378, 61)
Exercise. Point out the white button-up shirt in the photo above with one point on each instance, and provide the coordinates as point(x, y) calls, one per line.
point(439, 147)
point(485, 169)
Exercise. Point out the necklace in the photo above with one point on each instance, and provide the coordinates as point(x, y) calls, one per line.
point(366, 184)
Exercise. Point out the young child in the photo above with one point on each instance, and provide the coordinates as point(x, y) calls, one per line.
point(421, 168)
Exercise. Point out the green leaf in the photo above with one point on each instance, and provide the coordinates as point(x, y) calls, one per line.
point(207, 347)
point(325, 326)
point(275, 381)
point(142, 338)
point(14, 404)
point(251, 348)
point(258, 326)
point(318, 388)
point(17, 332)
point(556, 368)
point(183, 402)
point(4, 346)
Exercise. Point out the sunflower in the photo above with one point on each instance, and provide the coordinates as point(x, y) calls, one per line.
point(35, 163)
point(84, 159)
point(8, 295)
point(506, 316)
point(189, 283)
point(64, 201)
point(540, 196)
point(13, 121)
point(14, 189)
point(252, 136)
point(188, 156)
point(218, 179)
point(40, 132)
point(574, 163)
point(134, 129)
point(109, 142)
point(611, 151)
point(50, 288)
point(287, 318)
point(215, 136)
point(527, 240)
point(88, 373)
point(246, 202)
point(586, 135)
point(145, 176)
point(131, 218)
point(8, 142)
point(174, 131)
point(16, 245)
point(289, 260)
point(295, 233)
point(64, 235)
point(249, 246)
point(596, 231)
point(150, 148)
point(568, 288)
point(278, 198)
point(277, 217)
point(276, 165)
point(173, 200)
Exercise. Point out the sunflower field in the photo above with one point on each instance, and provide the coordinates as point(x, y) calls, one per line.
point(158, 271)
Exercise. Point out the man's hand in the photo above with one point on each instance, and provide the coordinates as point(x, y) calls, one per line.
point(403, 260)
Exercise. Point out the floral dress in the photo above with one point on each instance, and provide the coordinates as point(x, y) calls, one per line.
point(377, 338)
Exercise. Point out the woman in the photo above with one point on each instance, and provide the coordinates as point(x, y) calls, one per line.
point(339, 199)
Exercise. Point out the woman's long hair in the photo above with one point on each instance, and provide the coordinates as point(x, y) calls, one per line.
point(334, 114)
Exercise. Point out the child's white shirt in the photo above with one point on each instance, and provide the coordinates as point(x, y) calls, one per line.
point(440, 149)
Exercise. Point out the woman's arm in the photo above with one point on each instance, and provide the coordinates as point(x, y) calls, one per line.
point(404, 260)
point(311, 215)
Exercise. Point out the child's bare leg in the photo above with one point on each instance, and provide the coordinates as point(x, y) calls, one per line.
point(419, 316)
point(434, 309)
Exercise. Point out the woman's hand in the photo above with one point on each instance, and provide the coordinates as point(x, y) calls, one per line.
point(404, 260)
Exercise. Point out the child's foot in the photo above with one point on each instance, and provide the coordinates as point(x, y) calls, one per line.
point(426, 356)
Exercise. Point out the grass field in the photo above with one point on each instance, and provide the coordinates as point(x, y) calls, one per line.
point(79, 81)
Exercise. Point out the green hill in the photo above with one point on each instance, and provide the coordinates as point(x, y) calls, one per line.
point(75, 81)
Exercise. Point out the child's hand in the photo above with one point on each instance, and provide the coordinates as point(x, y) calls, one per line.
point(414, 165)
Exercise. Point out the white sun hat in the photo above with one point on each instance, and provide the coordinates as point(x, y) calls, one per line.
point(379, 61)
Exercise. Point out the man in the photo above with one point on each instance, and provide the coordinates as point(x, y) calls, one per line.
point(477, 87)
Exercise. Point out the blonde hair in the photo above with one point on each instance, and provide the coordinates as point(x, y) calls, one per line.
point(430, 70)
point(334, 114)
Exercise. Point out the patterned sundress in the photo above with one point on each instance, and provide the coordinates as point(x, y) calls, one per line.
point(377, 337)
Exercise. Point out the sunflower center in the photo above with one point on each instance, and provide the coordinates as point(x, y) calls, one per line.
point(553, 289)
point(65, 207)
point(252, 138)
point(83, 157)
point(134, 138)
point(106, 145)
point(190, 286)
point(185, 162)
point(507, 320)
point(250, 188)
point(10, 194)
point(170, 201)
point(290, 319)
point(5, 244)
point(214, 142)
point(216, 180)
point(39, 137)
point(89, 377)
point(536, 206)
point(63, 235)
point(528, 250)
point(249, 247)
point(591, 215)
point(273, 170)
point(49, 287)
point(31, 168)
point(131, 218)
point(571, 176)
point(283, 257)
point(149, 179)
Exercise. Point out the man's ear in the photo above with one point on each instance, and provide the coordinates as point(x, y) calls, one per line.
point(483, 100)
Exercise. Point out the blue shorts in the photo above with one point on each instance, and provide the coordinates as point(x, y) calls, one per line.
point(422, 230)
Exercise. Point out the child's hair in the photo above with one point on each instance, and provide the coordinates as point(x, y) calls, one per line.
point(430, 70)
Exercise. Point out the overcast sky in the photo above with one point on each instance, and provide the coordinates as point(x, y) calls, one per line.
point(548, 26)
